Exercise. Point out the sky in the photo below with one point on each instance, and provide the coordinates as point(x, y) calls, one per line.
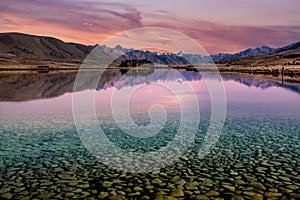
point(226, 26)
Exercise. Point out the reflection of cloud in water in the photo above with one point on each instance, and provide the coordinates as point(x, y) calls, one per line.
point(27, 86)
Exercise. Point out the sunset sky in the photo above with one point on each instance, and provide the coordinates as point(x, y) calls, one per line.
point(226, 26)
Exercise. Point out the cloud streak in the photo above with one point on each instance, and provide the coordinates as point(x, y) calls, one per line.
point(217, 37)
point(91, 22)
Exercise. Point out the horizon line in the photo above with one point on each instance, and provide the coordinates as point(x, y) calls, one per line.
point(143, 49)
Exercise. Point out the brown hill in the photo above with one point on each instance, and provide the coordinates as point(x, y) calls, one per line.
point(18, 45)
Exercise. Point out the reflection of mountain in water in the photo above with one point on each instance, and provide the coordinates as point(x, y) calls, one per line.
point(148, 76)
point(27, 86)
point(137, 71)
point(263, 84)
point(23, 87)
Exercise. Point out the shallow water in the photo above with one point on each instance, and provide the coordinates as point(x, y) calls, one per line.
point(257, 155)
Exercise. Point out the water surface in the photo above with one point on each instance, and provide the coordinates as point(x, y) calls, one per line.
point(257, 155)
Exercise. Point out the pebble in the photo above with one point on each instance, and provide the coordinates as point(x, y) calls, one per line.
point(234, 173)
point(161, 193)
point(46, 195)
point(121, 192)
point(261, 169)
point(137, 188)
point(284, 178)
point(184, 158)
point(266, 164)
point(165, 198)
point(177, 193)
point(159, 197)
point(157, 181)
point(251, 178)
point(273, 190)
point(116, 197)
point(239, 182)
point(19, 189)
point(212, 193)
point(231, 188)
point(202, 197)
point(257, 197)
point(271, 180)
point(175, 178)
point(102, 195)
point(4, 190)
point(134, 194)
point(163, 174)
point(69, 194)
point(77, 190)
point(46, 183)
point(85, 194)
point(149, 187)
point(284, 190)
point(238, 198)
point(25, 198)
point(292, 187)
point(145, 197)
point(180, 182)
point(7, 196)
point(250, 193)
point(107, 184)
point(208, 183)
point(192, 185)
point(258, 185)
point(273, 195)
point(238, 166)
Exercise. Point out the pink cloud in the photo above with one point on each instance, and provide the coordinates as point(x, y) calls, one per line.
point(92, 22)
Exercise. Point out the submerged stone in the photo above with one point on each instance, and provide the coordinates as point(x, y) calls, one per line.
point(107, 184)
point(212, 193)
point(180, 182)
point(177, 193)
point(273, 195)
point(257, 185)
point(102, 195)
point(7, 196)
point(157, 181)
point(231, 188)
point(202, 197)
point(4, 190)
point(292, 187)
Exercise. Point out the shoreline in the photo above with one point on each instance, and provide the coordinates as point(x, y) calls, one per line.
point(288, 72)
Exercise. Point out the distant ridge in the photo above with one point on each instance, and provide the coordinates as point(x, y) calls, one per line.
point(265, 50)
point(293, 48)
point(43, 48)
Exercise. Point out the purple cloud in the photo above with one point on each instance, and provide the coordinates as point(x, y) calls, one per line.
point(90, 22)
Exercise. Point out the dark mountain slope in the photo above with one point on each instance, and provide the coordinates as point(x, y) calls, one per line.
point(17, 45)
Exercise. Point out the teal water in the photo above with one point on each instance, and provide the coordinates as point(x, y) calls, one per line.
point(256, 157)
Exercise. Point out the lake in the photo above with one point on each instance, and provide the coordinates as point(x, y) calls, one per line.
point(45, 156)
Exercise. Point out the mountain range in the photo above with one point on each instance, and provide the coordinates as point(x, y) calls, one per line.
point(42, 48)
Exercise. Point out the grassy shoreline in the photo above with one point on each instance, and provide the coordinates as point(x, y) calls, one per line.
point(289, 72)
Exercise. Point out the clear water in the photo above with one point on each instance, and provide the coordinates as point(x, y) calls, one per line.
point(256, 157)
